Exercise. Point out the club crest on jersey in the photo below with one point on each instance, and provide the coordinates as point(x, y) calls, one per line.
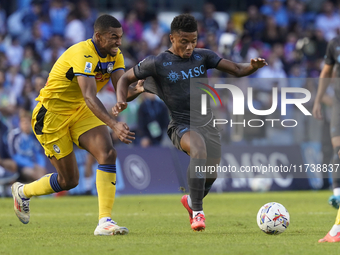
point(88, 67)
point(110, 68)
point(56, 148)
point(173, 76)
point(197, 56)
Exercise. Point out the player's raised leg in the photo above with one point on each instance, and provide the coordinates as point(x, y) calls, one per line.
point(99, 143)
point(210, 178)
point(193, 143)
point(66, 178)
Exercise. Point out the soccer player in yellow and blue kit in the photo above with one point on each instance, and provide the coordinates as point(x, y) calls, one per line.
point(69, 112)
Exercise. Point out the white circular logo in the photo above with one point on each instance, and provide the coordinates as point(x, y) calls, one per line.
point(56, 148)
point(137, 172)
point(110, 68)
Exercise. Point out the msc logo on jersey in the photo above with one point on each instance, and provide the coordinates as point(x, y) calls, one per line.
point(167, 63)
point(193, 72)
point(88, 67)
point(173, 76)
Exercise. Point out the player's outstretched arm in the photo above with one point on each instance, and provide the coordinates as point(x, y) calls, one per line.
point(241, 69)
point(134, 89)
point(89, 90)
point(324, 81)
point(122, 91)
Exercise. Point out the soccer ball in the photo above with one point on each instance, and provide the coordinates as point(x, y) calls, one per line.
point(273, 218)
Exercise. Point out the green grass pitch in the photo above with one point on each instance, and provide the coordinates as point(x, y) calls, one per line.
point(159, 225)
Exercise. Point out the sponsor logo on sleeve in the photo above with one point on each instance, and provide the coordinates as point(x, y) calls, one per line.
point(88, 67)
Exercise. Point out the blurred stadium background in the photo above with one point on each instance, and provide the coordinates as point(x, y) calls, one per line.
point(291, 34)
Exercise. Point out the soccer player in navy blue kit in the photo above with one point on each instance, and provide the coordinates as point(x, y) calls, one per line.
point(170, 74)
point(332, 60)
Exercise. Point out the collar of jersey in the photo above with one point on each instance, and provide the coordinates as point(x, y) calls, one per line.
point(97, 49)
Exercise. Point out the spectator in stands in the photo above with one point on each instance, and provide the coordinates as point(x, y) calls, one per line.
point(254, 24)
point(28, 59)
point(153, 119)
point(7, 100)
point(328, 21)
point(74, 24)
point(25, 150)
point(15, 80)
point(36, 38)
point(132, 27)
point(144, 15)
point(153, 34)
point(54, 50)
point(27, 99)
point(209, 22)
point(88, 15)
point(8, 167)
point(58, 15)
point(14, 52)
point(271, 33)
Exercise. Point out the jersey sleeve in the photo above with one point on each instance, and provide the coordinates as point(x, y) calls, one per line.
point(211, 59)
point(82, 64)
point(150, 86)
point(145, 68)
point(119, 64)
point(329, 57)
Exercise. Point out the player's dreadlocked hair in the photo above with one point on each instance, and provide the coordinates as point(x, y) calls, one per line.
point(185, 23)
point(105, 21)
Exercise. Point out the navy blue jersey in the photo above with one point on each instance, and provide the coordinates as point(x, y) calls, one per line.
point(170, 79)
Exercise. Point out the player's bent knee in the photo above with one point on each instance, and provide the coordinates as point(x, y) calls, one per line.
point(108, 157)
point(198, 151)
point(68, 184)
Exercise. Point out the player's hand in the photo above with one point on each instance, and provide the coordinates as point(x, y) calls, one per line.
point(119, 107)
point(139, 88)
point(317, 111)
point(123, 132)
point(258, 62)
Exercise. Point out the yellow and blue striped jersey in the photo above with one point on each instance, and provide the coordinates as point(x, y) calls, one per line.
point(62, 93)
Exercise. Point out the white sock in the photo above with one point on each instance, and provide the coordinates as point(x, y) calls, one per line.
point(336, 192)
point(189, 201)
point(335, 229)
point(194, 213)
point(103, 220)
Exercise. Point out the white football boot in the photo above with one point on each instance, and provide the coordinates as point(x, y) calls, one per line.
point(21, 205)
point(108, 228)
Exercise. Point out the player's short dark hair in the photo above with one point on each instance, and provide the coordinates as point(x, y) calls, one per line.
point(184, 22)
point(105, 21)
